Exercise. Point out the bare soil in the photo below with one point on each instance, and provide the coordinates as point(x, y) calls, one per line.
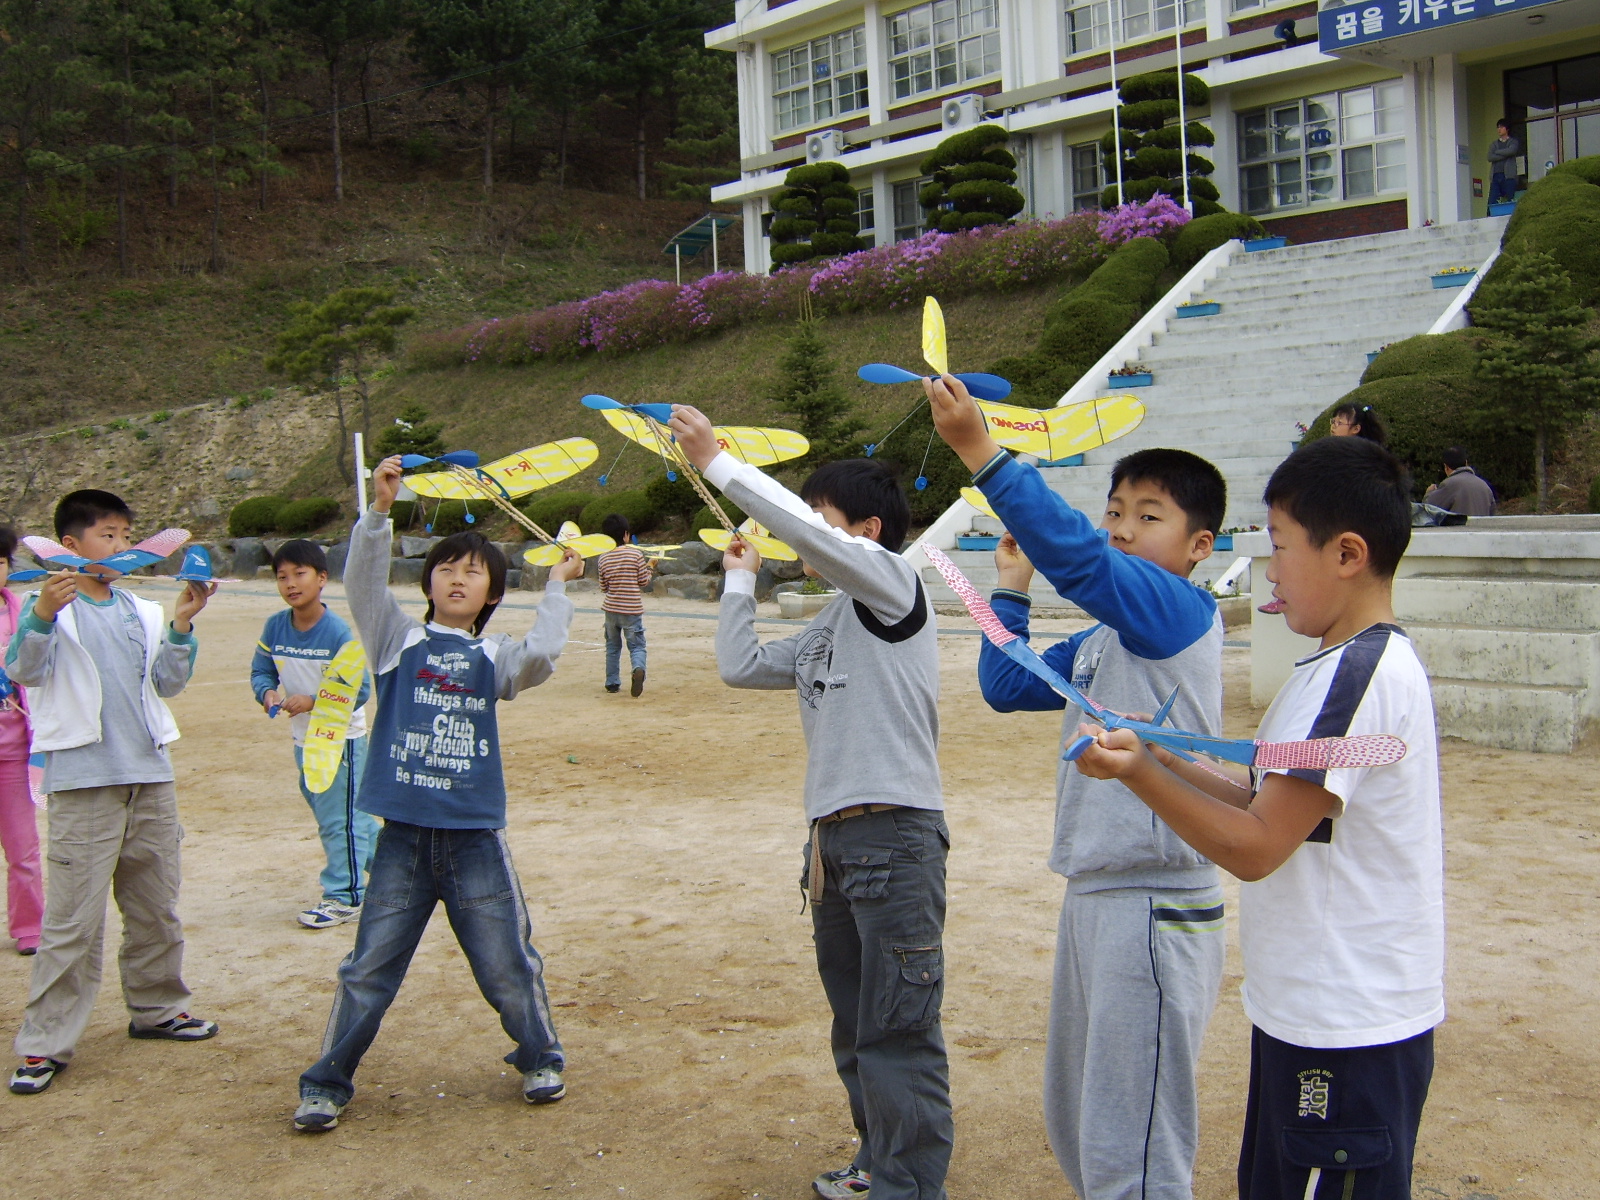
point(659, 845)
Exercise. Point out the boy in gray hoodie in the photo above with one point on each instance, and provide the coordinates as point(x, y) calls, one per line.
point(866, 674)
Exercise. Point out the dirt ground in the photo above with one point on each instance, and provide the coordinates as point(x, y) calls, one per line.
point(659, 845)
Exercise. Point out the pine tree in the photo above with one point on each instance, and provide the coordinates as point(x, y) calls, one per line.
point(705, 139)
point(1539, 362)
point(972, 175)
point(1152, 156)
point(806, 389)
point(411, 433)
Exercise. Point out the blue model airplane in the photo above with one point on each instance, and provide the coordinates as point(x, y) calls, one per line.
point(1370, 750)
point(146, 554)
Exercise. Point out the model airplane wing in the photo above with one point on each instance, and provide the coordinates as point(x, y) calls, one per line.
point(330, 716)
point(196, 567)
point(1056, 433)
point(541, 466)
point(935, 346)
point(754, 534)
point(978, 501)
point(54, 553)
point(26, 575)
point(147, 553)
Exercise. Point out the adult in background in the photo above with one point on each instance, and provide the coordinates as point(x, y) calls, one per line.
point(1462, 490)
point(1503, 154)
point(1358, 420)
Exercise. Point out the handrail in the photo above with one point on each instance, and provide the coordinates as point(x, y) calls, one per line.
point(1456, 316)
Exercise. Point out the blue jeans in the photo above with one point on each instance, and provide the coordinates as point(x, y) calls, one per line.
point(1502, 188)
point(618, 626)
point(413, 869)
point(347, 834)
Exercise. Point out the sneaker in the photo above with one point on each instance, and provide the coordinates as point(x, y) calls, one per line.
point(849, 1183)
point(638, 682)
point(613, 688)
point(328, 914)
point(34, 1075)
point(543, 1086)
point(27, 951)
point(317, 1114)
point(182, 1028)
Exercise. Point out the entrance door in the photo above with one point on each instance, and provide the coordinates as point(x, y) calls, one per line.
point(1557, 105)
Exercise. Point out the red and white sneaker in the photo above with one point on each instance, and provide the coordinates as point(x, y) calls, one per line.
point(34, 1075)
point(848, 1183)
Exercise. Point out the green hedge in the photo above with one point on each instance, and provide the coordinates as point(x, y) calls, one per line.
point(673, 497)
point(1082, 324)
point(450, 516)
point(634, 505)
point(308, 515)
point(1204, 234)
point(255, 517)
point(1560, 215)
point(548, 509)
point(704, 519)
point(1426, 354)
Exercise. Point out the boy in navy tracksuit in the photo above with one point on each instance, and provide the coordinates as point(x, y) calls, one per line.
point(1140, 946)
point(296, 646)
point(434, 776)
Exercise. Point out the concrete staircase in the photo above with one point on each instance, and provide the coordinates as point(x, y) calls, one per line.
point(1514, 659)
point(1292, 336)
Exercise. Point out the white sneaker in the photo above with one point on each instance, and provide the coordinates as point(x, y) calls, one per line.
point(317, 1114)
point(328, 913)
point(543, 1086)
point(848, 1183)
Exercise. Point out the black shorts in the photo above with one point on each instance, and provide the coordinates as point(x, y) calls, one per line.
point(1350, 1115)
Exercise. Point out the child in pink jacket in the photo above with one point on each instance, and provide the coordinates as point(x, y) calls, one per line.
point(19, 835)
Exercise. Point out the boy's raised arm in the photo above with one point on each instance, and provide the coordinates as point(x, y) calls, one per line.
point(529, 662)
point(379, 618)
point(743, 659)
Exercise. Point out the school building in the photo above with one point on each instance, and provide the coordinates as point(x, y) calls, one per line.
point(1330, 120)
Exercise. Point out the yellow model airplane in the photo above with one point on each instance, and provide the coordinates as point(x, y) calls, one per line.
point(568, 537)
point(753, 534)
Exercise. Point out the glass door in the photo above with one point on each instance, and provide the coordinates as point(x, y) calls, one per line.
point(1557, 106)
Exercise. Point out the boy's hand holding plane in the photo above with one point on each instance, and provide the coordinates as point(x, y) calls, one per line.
point(959, 421)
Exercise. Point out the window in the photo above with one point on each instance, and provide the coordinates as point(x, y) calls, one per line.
point(907, 211)
point(943, 44)
point(1337, 146)
point(1088, 176)
point(820, 79)
point(866, 215)
point(1554, 109)
point(1089, 24)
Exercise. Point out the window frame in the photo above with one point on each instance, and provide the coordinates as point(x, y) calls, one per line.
point(897, 191)
point(949, 62)
point(1078, 194)
point(1099, 27)
point(1364, 155)
point(806, 97)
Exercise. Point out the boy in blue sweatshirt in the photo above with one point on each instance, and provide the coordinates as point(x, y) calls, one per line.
point(1139, 949)
point(434, 777)
point(295, 648)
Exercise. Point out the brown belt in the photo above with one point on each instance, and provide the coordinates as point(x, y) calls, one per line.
point(815, 875)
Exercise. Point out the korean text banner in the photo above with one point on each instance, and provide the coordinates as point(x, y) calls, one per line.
point(1375, 20)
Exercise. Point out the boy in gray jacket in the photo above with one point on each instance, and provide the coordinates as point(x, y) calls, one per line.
point(100, 660)
point(866, 672)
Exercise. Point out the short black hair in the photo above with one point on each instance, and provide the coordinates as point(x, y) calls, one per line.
point(861, 488)
point(88, 506)
point(8, 542)
point(468, 544)
point(1455, 458)
point(1347, 485)
point(1365, 418)
point(1502, 123)
point(301, 553)
point(615, 527)
point(1195, 485)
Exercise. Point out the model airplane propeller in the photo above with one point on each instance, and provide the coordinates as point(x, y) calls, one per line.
point(146, 554)
point(935, 352)
point(1369, 750)
point(757, 446)
point(505, 479)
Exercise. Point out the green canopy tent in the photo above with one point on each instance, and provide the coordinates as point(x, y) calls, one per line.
point(689, 242)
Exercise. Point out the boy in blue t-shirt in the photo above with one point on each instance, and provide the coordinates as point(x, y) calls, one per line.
point(295, 648)
point(434, 777)
point(1139, 949)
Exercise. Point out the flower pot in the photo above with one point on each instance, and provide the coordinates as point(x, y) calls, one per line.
point(1266, 243)
point(798, 604)
point(977, 541)
point(1503, 209)
point(1372, 354)
point(1224, 542)
point(1143, 379)
point(1209, 309)
point(1454, 278)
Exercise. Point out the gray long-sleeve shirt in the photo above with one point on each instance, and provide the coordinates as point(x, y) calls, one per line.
point(865, 671)
point(1503, 154)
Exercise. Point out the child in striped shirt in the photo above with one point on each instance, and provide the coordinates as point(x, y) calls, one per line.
point(624, 574)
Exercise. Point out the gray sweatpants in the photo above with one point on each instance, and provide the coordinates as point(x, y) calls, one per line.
point(1136, 978)
point(123, 838)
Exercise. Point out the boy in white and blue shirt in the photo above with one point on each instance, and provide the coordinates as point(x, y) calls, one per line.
point(295, 649)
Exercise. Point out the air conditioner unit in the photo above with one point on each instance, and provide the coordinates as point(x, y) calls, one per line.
point(962, 112)
point(824, 144)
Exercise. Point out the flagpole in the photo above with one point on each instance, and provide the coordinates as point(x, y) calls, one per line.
point(1116, 125)
point(1183, 121)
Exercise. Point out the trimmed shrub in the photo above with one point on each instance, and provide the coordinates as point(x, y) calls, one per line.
point(255, 516)
point(401, 513)
point(816, 214)
point(548, 509)
point(1560, 215)
point(1152, 159)
point(1426, 354)
point(304, 516)
point(1586, 169)
point(972, 174)
point(1204, 234)
point(635, 505)
point(673, 497)
point(705, 519)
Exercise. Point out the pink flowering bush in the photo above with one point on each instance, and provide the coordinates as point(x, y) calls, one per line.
point(1158, 217)
point(653, 313)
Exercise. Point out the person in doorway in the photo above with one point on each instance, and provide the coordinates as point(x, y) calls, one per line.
point(1503, 154)
point(1462, 490)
